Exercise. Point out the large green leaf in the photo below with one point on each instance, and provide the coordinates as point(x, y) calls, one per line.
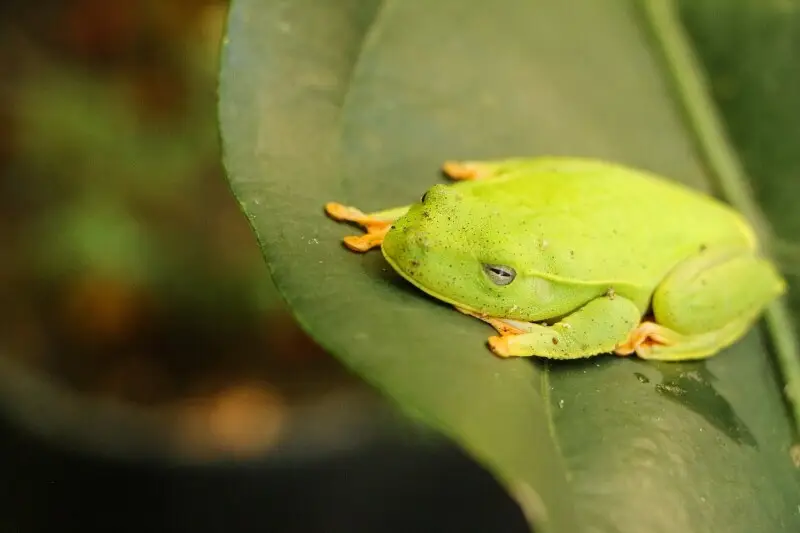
point(360, 101)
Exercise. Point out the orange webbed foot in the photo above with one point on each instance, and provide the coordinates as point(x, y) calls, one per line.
point(642, 339)
point(376, 228)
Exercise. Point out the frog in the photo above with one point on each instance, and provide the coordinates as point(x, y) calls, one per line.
point(575, 257)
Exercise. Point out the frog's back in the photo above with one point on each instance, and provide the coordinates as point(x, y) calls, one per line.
point(607, 222)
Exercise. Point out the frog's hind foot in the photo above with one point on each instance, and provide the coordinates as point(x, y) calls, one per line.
point(643, 338)
point(376, 226)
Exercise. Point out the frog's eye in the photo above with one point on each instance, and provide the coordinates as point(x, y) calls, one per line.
point(500, 274)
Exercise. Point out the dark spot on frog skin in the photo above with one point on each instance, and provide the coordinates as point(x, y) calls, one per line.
point(414, 263)
point(425, 214)
point(703, 247)
point(572, 253)
point(555, 340)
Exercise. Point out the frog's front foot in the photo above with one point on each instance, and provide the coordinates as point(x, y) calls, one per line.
point(506, 329)
point(500, 346)
point(376, 225)
point(502, 326)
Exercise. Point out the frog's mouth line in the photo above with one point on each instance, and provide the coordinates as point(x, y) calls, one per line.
point(422, 287)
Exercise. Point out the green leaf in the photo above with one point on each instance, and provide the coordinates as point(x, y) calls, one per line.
point(360, 101)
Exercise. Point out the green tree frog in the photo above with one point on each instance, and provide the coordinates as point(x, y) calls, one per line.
point(570, 257)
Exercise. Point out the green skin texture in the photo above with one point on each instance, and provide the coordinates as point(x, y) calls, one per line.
point(596, 247)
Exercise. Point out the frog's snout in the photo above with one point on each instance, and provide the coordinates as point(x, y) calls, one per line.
point(406, 247)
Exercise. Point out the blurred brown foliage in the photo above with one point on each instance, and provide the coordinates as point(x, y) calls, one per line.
point(128, 270)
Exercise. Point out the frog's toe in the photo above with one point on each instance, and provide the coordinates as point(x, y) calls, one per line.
point(499, 345)
point(372, 239)
point(643, 338)
point(458, 170)
point(468, 170)
point(339, 211)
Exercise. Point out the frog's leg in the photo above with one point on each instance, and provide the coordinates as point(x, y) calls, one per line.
point(376, 224)
point(595, 328)
point(705, 304)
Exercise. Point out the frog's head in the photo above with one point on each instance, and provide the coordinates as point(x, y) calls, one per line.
point(474, 254)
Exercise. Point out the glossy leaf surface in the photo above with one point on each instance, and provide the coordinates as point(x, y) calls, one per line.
point(360, 101)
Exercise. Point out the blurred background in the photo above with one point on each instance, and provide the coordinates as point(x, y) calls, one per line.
point(144, 353)
point(134, 277)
